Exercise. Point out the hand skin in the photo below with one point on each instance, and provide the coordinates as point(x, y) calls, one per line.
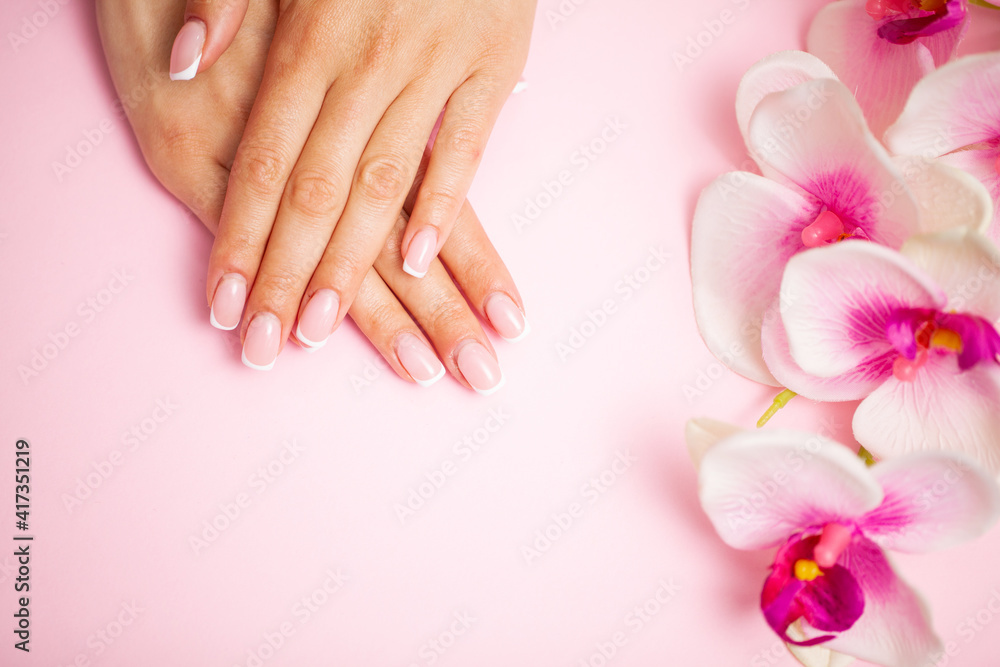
point(189, 131)
point(350, 93)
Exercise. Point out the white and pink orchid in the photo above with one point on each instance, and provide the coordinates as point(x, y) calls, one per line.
point(914, 334)
point(882, 48)
point(830, 518)
point(953, 115)
point(826, 179)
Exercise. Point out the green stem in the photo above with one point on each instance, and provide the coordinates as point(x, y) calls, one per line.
point(780, 401)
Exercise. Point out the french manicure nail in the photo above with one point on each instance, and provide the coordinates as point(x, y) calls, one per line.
point(227, 304)
point(506, 317)
point(318, 318)
point(186, 54)
point(421, 252)
point(418, 360)
point(480, 369)
point(260, 348)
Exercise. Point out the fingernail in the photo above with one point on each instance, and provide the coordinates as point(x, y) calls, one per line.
point(186, 54)
point(418, 360)
point(506, 317)
point(318, 318)
point(480, 369)
point(421, 252)
point(227, 304)
point(260, 348)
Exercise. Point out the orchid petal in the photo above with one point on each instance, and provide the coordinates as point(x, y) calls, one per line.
point(815, 136)
point(956, 106)
point(933, 501)
point(943, 408)
point(702, 434)
point(946, 196)
point(815, 656)
point(981, 164)
point(853, 385)
point(880, 73)
point(836, 302)
point(759, 487)
point(966, 265)
point(745, 229)
point(772, 74)
point(894, 629)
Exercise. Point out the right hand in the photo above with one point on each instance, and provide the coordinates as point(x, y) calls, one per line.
point(189, 132)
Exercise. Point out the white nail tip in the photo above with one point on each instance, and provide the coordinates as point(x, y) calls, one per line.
point(498, 387)
point(409, 269)
point(307, 344)
point(187, 74)
point(247, 363)
point(433, 380)
point(523, 334)
point(215, 323)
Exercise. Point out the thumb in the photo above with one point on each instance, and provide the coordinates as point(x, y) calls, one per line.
point(209, 28)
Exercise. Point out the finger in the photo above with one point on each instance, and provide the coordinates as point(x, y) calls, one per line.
point(442, 312)
point(313, 200)
point(277, 128)
point(477, 268)
point(209, 29)
point(392, 331)
point(457, 151)
point(385, 172)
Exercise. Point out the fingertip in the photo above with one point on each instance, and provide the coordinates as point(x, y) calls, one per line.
point(421, 252)
point(186, 54)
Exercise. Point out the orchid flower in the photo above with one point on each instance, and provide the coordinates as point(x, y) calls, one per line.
point(882, 48)
point(831, 517)
point(914, 334)
point(826, 179)
point(954, 115)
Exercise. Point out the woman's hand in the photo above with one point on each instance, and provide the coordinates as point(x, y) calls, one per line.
point(350, 94)
point(189, 134)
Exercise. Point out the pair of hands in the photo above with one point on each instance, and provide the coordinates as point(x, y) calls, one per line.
point(302, 143)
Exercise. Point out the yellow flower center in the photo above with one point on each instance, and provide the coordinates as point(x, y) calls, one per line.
point(807, 570)
point(947, 340)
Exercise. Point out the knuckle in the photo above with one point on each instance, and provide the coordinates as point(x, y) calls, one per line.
point(177, 141)
point(381, 41)
point(467, 143)
point(312, 193)
point(383, 179)
point(444, 314)
point(260, 168)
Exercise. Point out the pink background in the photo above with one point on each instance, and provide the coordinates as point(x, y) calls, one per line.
point(364, 445)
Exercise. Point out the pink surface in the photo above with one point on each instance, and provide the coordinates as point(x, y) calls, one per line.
point(311, 461)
